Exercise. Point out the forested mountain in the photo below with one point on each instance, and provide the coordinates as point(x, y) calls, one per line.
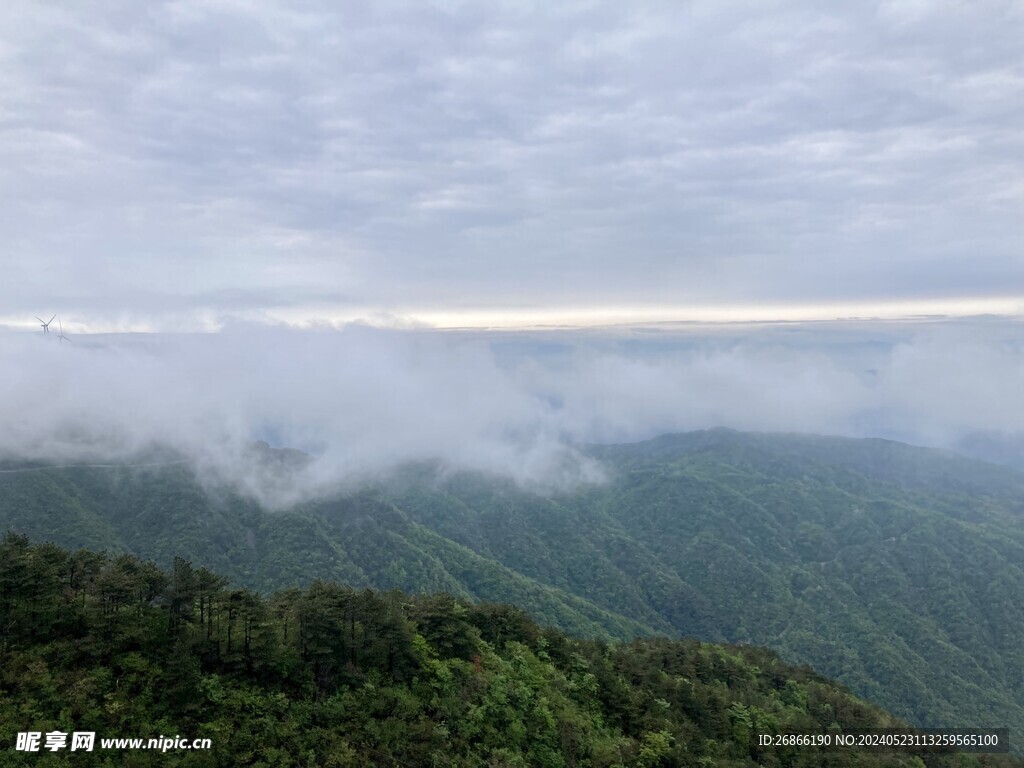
point(331, 676)
point(896, 570)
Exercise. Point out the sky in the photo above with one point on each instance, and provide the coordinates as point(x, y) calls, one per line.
point(176, 166)
point(490, 233)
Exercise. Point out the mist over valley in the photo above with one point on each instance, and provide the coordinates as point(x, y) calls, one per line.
point(361, 400)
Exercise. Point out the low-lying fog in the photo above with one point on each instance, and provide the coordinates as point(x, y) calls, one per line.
point(361, 400)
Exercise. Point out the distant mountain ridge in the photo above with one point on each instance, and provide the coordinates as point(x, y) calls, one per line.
point(905, 465)
point(896, 570)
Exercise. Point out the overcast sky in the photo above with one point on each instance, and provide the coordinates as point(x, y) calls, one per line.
point(274, 171)
point(178, 165)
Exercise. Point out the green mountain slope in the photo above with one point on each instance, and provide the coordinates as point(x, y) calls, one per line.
point(892, 572)
point(896, 570)
point(163, 512)
point(332, 676)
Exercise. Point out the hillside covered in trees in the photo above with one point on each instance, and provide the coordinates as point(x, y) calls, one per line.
point(895, 570)
point(331, 676)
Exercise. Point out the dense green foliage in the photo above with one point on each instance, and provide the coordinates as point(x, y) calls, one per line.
point(331, 676)
point(896, 570)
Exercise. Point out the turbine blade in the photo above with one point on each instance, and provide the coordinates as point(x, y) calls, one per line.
point(51, 319)
point(37, 317)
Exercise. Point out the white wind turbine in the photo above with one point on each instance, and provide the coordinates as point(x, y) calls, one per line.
point(46, 323)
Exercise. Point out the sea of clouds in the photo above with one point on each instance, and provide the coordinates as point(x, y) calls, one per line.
point(363, 400)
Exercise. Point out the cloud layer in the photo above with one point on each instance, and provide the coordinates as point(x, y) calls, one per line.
point(363, 400)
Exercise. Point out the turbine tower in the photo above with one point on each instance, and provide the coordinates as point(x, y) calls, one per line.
point(46, 323)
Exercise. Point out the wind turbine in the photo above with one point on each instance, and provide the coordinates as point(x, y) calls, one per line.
point(46, 323)
point(62, 337)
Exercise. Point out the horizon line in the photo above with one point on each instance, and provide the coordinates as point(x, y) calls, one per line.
point(593, 317)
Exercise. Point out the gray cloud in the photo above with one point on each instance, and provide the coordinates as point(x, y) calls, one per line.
point(165, 162)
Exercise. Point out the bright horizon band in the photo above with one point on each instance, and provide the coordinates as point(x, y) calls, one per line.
point(524, 318)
